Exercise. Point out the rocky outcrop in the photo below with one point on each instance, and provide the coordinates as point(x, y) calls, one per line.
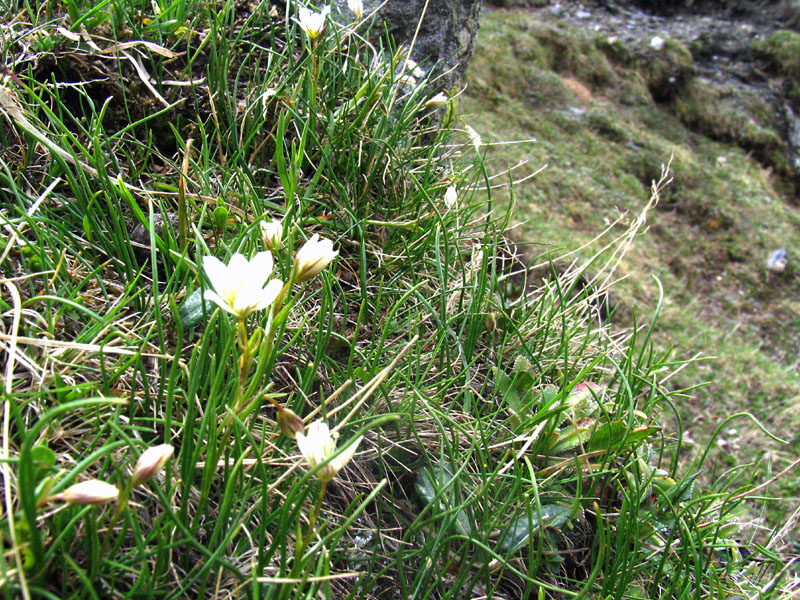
point(729, 70)
point(446, 36)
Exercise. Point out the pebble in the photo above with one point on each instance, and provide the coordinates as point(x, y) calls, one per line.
point(657, 43)
point(778, 260)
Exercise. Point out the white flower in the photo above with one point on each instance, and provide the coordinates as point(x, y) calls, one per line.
point(239, 286)
point(318, 445)
point(451, 197)
point(313, 257)
point(474, 137)
point(436, 101)
point(88, 492)
point(413, 68)
point(151, 462)
point(356, 7)
point(313, 23)
point(273, 234)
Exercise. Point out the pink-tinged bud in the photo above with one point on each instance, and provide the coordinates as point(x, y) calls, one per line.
point(151, 462)
point(584, 391)
point(87, 493)
point(290, 423)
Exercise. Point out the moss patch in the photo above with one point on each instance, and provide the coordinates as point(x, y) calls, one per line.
point(782, 51)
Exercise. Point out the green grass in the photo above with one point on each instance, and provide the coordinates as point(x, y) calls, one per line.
point(510, 442)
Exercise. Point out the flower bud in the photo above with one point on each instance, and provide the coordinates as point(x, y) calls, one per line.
point(272, 233)
point(436, 101)
point(312, 258)
point(221, 216)
point(290, 423)
point(151, 462)
point(474, 137)
point(451, 197)
point(87, 493)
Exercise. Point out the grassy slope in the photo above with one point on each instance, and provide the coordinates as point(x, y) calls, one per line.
point(509, 448)
point(603, 139)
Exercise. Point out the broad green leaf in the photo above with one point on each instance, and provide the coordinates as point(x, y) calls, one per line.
point(570, 437)
point(610, 435)
point(516, 535)
point(191, 312)
point(428, 487)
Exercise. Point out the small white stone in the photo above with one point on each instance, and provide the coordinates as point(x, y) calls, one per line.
point(657, 43)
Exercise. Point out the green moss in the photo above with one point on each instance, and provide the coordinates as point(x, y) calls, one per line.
point(607, 124)
point(615, 50)
point(666, 71)
point(782, 51)
point(719, 113)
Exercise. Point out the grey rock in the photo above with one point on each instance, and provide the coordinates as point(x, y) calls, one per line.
point(446, 36)
point(778, 260)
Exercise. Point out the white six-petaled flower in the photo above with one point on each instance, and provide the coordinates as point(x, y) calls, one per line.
point(318, 445)
point(313, 257)
point(239, 285)
point(313, 23)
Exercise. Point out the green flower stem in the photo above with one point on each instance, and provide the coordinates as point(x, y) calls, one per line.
point(122, 502)
point(245, 360)
point(314, 76)
point(312, 531)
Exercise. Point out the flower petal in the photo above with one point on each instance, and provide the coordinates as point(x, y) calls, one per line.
point(216, 271)
point(260, 267)
point(340, 461)
point(219, 301)
point(270, 293)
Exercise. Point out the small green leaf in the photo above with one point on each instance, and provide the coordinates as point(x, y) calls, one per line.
point(43, 457)
point(516, 535)
point(191, 312)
